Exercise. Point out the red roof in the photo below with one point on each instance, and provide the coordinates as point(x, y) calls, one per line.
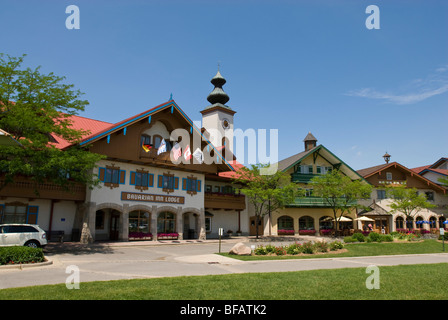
point(232, 174)
point(78, 122)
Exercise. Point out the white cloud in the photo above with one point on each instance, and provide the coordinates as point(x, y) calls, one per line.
point(418, 89)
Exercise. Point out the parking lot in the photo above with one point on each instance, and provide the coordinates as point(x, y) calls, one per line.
point(114, 261)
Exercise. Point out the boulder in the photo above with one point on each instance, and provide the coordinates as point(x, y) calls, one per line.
point(240, 249)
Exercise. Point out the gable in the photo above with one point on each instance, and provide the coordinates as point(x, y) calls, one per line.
point(123, 141)
point(318, 156)
point(395, 174)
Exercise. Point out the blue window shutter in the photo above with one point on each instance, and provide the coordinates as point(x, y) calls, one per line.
point(159, 181)
point(184, 184)
point(199, 186)
point(176, 183)
point(150, 180)
point(32, 214)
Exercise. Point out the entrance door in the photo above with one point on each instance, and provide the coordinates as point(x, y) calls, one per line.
point(114, 225)
point(380, 223)
point(252, 229)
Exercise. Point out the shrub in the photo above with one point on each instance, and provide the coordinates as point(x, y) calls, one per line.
point(260, 250)
point(321, 246)
point(308, 247)
point(270, 249)
point(444, 237)
point(294, 249)
point(375, 237)
point(387, 238)
point(336, 245)
point(358, 237)
point(349, 239)
point(280, 251)
point(18, 255)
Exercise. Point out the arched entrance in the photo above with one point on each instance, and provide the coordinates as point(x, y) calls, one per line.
point(191, 225)
point(140, 225)
point(107, 224)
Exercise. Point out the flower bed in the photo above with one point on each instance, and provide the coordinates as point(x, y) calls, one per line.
point(325, 232)
point(307, 232)
point(167, 236)
point(300, 249)
point(140, 236)
point(284, 232)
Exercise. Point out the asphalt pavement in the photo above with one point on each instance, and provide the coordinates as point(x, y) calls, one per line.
point(131, 260)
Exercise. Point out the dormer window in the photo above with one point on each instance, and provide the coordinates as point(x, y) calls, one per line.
point(388, 175)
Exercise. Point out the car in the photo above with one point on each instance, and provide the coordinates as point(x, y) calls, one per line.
point(30, 235)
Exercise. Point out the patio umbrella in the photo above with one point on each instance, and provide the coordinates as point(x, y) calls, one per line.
point(343, 219)
point(364, 219)
point(445, 222)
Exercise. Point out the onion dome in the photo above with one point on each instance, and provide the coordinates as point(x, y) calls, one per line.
point(218, 95)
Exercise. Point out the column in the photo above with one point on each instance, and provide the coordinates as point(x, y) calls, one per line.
point(180, 223)
point(124, 226)
point(154, 223)
point(202, 233)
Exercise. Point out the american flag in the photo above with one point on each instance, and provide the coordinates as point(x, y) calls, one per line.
point(177, 152)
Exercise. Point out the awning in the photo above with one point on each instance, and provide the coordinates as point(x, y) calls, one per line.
point(364, 219)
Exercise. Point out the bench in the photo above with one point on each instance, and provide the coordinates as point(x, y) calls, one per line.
point(56, 235)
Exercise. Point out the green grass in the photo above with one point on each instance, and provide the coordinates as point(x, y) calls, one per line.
point(363, 249)
point(404, 282)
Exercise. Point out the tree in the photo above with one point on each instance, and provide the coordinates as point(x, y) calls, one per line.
point(340, 193)
point(266, 193)
point(407, 200)
point(35, 107)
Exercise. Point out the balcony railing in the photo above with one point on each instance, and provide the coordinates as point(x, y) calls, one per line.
point(303, 177)
point(227, 201)
point(315, 202)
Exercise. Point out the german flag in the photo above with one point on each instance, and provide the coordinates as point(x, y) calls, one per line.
point(146, 147)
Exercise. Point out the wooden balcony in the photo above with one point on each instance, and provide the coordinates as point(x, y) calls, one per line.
point(312, 202)
point(226, 201)
point(303, 177)
point(28, 189)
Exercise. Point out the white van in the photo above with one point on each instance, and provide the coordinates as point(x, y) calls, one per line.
point(29, 235)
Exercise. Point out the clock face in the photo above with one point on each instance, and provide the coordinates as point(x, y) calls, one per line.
point(225, 124)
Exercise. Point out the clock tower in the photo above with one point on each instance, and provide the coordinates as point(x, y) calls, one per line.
point(217, 118)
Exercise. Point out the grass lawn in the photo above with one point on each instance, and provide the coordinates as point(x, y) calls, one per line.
point(413, 282)
point(363, 249)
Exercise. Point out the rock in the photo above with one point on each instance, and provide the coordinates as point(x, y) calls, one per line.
point(240, 249)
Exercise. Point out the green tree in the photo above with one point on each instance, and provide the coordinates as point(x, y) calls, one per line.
point(266, 193)
point(407, 200)
point(35, 108)
point(340, 192)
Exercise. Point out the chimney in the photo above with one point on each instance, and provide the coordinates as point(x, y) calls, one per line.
point(310, 141)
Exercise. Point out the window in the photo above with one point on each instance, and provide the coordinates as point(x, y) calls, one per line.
point(208, 188)
point(208, 224)
point(388, 175)
point(306, 223)
point(429, 195)
point(111, 176)
point(285, 223)
point(305, 169)
point(141, 180)
point(157, 140)
point(308, 192)
point(145, 139)
point(323, 169)
point(168, 182)
point(139, 223)
point(166, 222)
point(381, 194)
point(399, 223)
point(14, 213)
point(192, 185)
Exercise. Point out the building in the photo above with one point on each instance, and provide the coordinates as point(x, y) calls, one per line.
point(396, 174)
point(160, 179)
point(434, 172)
point(309, 214)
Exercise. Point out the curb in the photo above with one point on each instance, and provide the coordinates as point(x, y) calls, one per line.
point(26, 265)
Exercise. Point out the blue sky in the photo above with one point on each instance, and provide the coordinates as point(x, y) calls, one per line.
point(296, 66)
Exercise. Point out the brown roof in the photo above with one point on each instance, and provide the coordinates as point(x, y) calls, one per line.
point(285, 163)
point(368, 171)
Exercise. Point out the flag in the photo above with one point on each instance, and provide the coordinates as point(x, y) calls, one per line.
point(162, 147)
point(198, 155)
point(187, 153)
point(146, 147)
point(177, 152)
